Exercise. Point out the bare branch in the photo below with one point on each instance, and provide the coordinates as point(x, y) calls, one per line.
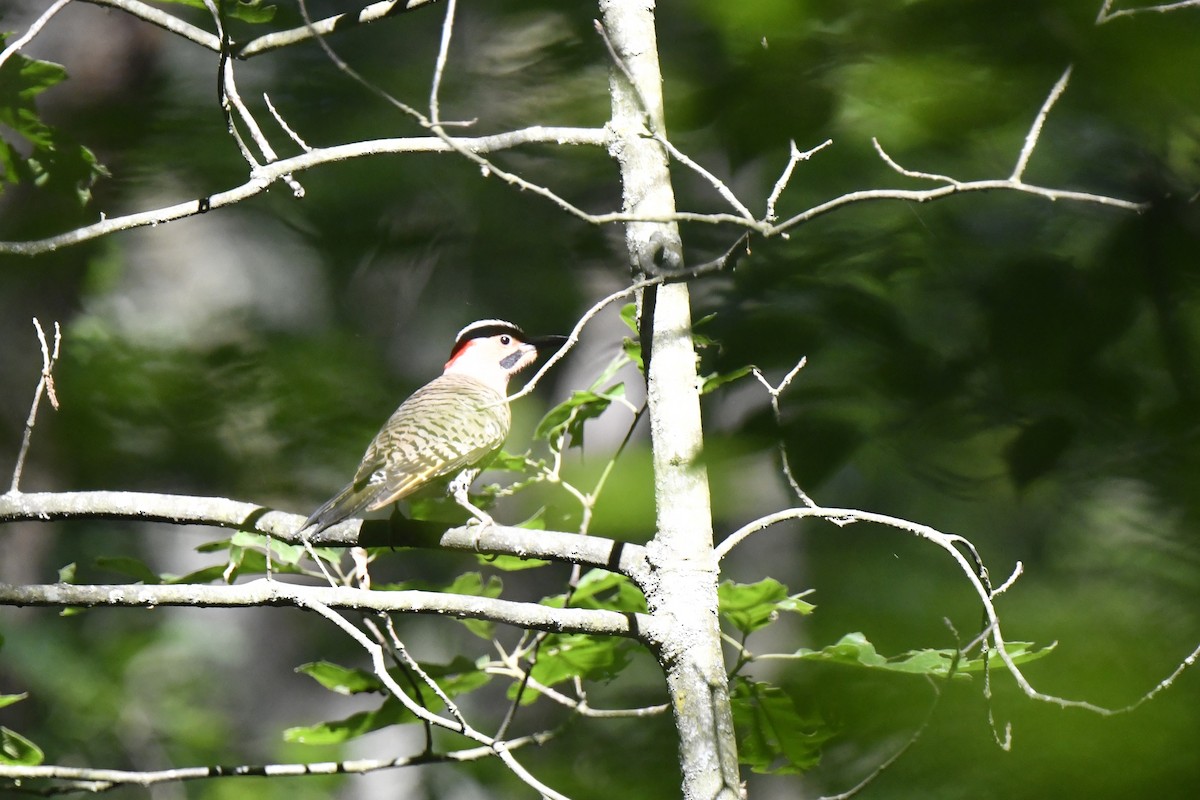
point(594, 551)
point(102, 779)
point(321, 27)
point(263, 592)
point(435, 115)
point(727, 260)
point(263, 177)
point(929, 195)
point(16, 44)
point(950, 543)
point(283, 124)
point(775, 391)
point(660, 137)
point(379, 665)
point(231, 101)
point(1035, 131)
point(908, 173)
point(794, 158)
point(1105, 14)
point(45, 386)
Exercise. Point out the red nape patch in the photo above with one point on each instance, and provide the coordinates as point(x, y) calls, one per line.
point(458, 351)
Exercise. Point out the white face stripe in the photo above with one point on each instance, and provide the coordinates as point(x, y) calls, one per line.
point(499, 324)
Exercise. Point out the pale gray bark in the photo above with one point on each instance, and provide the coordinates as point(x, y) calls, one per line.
point(682, 590)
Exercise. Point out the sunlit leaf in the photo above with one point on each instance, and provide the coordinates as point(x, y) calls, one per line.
point(391, 712)
point(629, 317)
point(565, 421)
point(750, 606)
point(717, 380)
point(602, 589)
point(562, 657)
point(9, 699)
point(254, 11)
point(853, 649)
point(53, 161)
point(17, 751)
point(456, 678)
point(511, 563)
point(339, 679)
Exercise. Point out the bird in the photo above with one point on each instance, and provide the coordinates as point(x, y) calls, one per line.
point(449, 428)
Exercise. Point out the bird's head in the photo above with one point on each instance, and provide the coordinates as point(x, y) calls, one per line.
point(492, 350)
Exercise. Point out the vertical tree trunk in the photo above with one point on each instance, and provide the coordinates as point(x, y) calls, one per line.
point(685, 593)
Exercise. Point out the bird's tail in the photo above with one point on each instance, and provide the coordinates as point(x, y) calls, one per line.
point(351, 501)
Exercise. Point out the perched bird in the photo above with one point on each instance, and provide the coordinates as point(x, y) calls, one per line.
point(451, 426)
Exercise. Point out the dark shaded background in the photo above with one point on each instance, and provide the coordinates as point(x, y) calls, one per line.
point(1021, 372)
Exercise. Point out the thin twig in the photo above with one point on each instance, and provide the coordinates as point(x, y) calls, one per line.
point(282, 124)
point(950, 543)
point(727, 260)
point(774, 392)
point(231, 100)
point(894, 757)
point(794, 158)
point(379, 666)
point(16, 44)
point(909, 173)
point(439, 69)
point(648, 119)
point(96, 780)
point(1035, 130)
point(1105, 15)
point(45, 386)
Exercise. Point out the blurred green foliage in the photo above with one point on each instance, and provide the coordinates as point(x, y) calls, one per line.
point(1020, 372)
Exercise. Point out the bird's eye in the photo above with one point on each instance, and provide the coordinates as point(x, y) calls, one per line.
point(506, 340)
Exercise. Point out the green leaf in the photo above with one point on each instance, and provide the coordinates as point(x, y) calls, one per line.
point(565, 421)
point(280, 551)
point(17, 751)
point(566, 656)
point(127, 565)
point(53, 161)
point(9, 699)
point(633, 350)
point(252, 11)
point(629, 317)
point(511, 563)
point(339, 679)
point(392, 712)
point(750, 606)
point(773, 736)
point(509, 462)
point(717, 380)
point(456, 678)
point(602, 589)
point(66, 574)
point(854, 650)
point(203, 575)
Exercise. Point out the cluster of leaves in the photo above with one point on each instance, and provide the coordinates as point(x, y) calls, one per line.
point(51, 159)
point(15, 749)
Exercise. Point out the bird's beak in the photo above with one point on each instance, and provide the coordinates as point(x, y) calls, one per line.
point(548, 344)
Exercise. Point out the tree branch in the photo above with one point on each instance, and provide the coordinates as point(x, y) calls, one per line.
point(264, 592)
point(950, 543)
point(16, 44)
point(97, 780)
point(1106, 15)
point(45, 386)
point(594, 551)
point(262, 178)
